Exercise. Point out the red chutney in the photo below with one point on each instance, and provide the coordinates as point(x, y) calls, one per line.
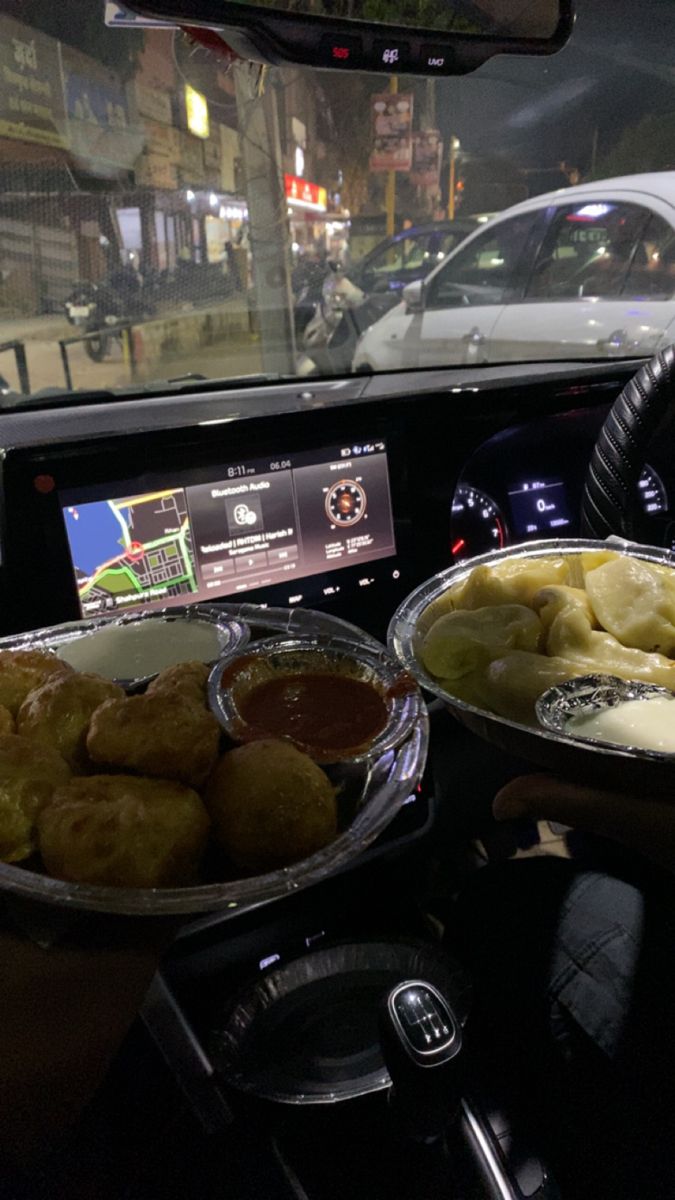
point(322, 712)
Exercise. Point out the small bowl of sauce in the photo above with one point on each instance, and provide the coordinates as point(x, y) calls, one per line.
point(131, 649)
point(605, 711)
point(332, 699)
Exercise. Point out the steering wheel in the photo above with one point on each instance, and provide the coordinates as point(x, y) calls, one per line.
point(619, 454)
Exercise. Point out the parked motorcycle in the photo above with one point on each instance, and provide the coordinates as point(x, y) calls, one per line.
point(100, 309)
point(86, 310)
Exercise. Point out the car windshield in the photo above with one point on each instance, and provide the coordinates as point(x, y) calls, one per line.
point(173, 216)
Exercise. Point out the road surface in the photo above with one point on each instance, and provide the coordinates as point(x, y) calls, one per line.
point(41, 337)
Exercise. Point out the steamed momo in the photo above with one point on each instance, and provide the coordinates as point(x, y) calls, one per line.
point(509, 632)
point(509, 582)
point(635, 603)
point(552, 602)
point(514, 683)
point(459, 642)
point(592, 651)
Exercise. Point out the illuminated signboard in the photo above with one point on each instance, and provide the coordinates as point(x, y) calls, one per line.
point(197, 112)
point(302, 194)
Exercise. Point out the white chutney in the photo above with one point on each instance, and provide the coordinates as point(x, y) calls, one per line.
point(648, 724)
point(142, 648)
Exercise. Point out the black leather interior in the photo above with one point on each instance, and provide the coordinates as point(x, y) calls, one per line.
point(619, 454)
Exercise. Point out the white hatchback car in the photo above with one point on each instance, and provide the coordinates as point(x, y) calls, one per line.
point(584, 272)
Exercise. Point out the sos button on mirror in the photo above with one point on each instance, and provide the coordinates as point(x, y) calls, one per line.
point(337, 51)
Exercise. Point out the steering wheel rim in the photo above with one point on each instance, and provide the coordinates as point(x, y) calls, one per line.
point(618, 457)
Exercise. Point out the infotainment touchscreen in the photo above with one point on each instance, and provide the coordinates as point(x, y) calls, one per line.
point(231, 530)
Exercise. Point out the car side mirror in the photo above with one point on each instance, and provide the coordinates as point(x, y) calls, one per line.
point(413, 296)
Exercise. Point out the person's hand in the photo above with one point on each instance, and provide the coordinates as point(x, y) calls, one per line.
point(641, 823)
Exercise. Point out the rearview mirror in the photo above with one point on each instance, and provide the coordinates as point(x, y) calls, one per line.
point(413, 295)
point(423, 37)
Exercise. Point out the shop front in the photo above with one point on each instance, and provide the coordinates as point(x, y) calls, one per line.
point(307, 207)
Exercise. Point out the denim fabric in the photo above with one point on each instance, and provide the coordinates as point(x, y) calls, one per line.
point(594, 961)
point(574, 1014)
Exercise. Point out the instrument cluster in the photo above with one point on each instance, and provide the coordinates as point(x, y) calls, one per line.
point(526, 483)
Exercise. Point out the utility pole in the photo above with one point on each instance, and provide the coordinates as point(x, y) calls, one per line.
point(433, 199)
point(454, 147)
point(391, 176)
point(258, 121)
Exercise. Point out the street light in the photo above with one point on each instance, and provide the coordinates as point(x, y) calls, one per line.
point(455, 147)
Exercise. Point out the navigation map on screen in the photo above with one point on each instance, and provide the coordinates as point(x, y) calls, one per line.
point(132, 550)
point(256, 524)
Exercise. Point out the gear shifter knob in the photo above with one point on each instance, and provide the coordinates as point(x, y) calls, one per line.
point(425, 1024)
point(422, 1044)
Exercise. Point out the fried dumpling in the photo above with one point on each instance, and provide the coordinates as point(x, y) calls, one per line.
point(58, 713)
point(271, 805)
point(460, 642)
point(29, 773)
point(157, 734)
point(7, 722)
point(635, 603)
point(187, 680)
point(123, 831)
point(23, 670)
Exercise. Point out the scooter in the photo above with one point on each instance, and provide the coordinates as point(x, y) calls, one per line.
point(341, 314)
point(307, 283)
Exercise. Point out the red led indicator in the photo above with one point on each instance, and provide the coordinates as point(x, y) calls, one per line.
point(459, 545)
point(44, 484)
point(341, 52)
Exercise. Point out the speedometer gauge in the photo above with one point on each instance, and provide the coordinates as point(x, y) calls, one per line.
point(477, 523)
point(652, 491)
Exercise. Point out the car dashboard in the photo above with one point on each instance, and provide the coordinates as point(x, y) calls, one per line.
point(344, 501)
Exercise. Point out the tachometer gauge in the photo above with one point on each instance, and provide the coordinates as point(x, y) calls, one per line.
point(346, 502)
point(477, 523)
point(652, 492)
